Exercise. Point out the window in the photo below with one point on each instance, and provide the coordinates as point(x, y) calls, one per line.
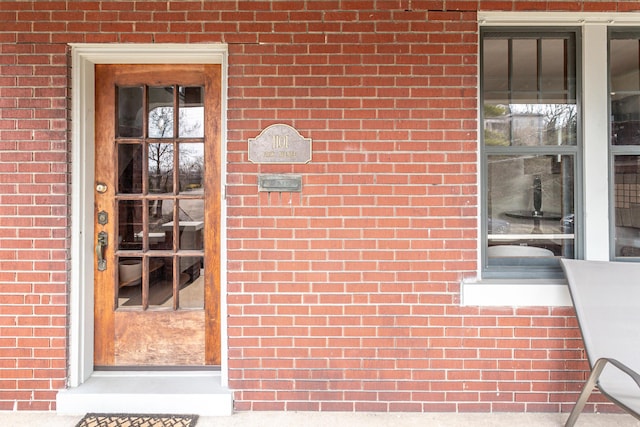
point(606, 154)
point(624, 104)
point(530, 150)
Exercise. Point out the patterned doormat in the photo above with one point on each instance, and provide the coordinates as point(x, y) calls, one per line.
point(137, 420)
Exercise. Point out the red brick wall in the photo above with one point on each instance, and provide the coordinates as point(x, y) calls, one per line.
point(33, 212)
point(345, 297)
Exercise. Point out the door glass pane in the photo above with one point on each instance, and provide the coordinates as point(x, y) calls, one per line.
point(191, 168)
point(130, 235)
point(623, 64)
point(191, 282)
point(161, 224)
point(530, 207)
point(130, 282)
point(129, 168)
point(191, 228)
point(161, 282)
point(130, 112)
point(627, 205)
point(191, 108)
point(160, 162)
point(161, 112)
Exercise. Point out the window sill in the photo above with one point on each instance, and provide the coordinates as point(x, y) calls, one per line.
point(518, 293)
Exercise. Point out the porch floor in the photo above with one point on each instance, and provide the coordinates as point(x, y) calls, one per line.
point(350, 419)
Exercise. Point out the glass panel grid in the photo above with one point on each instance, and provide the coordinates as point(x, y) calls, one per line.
point(530, 143)
point(160, 199)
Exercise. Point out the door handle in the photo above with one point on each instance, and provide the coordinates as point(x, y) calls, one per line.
point(102, 243)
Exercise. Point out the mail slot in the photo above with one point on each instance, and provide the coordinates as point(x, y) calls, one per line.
point(280, 183)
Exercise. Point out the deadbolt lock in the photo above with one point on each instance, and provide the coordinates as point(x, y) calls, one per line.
point(103, 218)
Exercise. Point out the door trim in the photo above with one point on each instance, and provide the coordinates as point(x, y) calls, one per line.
point(83, 59)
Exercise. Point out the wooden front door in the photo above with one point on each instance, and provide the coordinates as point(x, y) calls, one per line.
point(157, 215)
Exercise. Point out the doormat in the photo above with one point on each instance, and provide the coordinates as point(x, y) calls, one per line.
point(137, 420)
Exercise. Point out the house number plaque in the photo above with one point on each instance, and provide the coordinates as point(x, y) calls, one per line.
point(279, 143)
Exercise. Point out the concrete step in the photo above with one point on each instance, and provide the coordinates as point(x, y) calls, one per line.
point(188, 392)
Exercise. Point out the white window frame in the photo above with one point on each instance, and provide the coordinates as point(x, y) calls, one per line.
point(595, 172)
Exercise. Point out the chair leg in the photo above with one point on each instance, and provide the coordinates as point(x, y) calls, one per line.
point(586, 392)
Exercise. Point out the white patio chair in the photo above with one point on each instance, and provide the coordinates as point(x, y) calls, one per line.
point(606, 296)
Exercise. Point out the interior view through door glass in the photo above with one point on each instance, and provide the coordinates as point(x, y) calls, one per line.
point(160, 197)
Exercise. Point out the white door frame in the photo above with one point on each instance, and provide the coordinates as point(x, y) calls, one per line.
point(83, 59)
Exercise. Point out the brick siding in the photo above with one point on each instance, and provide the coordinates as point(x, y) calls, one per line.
point(343, 297)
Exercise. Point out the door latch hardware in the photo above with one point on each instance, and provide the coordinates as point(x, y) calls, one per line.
point(101, 187)
point(102, 243)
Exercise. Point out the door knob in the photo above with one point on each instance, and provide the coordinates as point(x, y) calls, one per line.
point(101, 188)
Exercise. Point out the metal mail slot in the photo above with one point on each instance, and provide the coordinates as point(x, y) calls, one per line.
point(280, 183)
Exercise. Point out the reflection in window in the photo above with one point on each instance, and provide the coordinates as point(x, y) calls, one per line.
point(529, 125)
point(130, 111)
point(530, 140)
point(624, 83)
point(130, 168)
point(160, 117)
point(530, 204)
point(627, 205)
point(160, 161)
point(130, 225)
point(190, 112)
point(191, 167)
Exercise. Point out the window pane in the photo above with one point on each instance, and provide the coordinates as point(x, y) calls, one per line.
point(627, 206)
point(191, 112)
point(191, 282)
point(530, 124)
point(497, 125)
point(160, 161)
point(130, 282)
point(161, 224)
point(625, 119)
point(530, 209)
point(130, 230)
point(524, 76)
point(161, 112)
point(191, 159)
point(623, 65)
point(495, 65)
point(161, 282)
point(130, 111)
point(530, 139)
point(528, 88)
point(129, 168)
point(191, 228)
point(554, 65)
